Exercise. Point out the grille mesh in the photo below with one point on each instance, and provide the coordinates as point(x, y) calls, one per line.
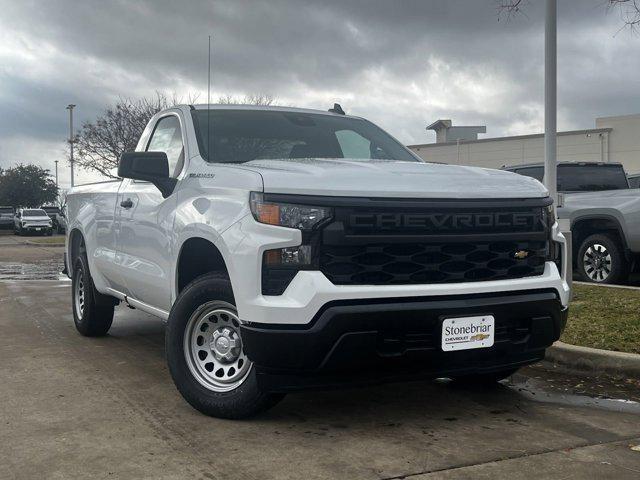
point(378, 264)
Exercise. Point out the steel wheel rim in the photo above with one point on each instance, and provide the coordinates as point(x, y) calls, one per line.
point(79, 296)
point(597, 262)
point(213, 347)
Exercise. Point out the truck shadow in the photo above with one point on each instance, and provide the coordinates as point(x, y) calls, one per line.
point(388, 404)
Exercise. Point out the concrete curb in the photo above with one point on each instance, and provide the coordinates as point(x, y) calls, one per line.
point(36, 244)
point(605, 285)
point(594, 360)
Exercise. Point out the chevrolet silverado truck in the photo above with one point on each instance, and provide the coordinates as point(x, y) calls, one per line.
point(604, 213)
point(290, 249)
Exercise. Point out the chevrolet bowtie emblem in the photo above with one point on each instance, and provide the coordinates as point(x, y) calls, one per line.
point(521, 254)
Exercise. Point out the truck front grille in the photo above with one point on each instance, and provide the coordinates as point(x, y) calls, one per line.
point(419, 242)
point(388, 263)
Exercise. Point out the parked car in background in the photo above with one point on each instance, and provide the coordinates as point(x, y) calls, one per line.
point(32, 220)
point(57, 219)
point(604, 214)
point(6, 217)
point(634, 180)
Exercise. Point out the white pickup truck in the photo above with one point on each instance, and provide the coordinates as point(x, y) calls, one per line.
point(290, 248)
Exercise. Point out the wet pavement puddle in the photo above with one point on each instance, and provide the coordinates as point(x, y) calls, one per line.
point(46, 270)
point(605, 397)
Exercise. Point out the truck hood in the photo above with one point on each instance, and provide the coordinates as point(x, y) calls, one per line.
point(388, 178)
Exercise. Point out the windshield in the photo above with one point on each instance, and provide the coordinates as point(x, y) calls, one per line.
point(582, 178)
point(238, 136)
point(34, 213)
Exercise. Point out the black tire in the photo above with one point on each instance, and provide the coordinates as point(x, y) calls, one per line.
point(92, 320)
point(49, 232)
point(485, 378)
point(618, 269)
point(244, 400)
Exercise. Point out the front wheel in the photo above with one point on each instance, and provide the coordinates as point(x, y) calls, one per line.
point(601, 259)
point(205, 352)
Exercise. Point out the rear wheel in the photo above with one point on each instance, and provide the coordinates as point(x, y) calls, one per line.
point(91, 319)
point(205, 352)
point(601, 259)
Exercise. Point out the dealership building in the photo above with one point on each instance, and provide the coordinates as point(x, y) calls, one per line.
point(615, 139)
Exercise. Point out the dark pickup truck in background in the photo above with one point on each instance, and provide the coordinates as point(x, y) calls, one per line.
point(6, 217)
point(605, 217)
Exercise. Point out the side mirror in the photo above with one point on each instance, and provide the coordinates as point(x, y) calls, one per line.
point(149, 167)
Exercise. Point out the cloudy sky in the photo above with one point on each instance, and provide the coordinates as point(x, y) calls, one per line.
point(402, 64)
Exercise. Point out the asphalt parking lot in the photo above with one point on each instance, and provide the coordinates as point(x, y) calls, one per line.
point(75, 407)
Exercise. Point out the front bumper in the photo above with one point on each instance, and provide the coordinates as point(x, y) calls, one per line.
point(310, 291)
point(36, 228)
point(379, 340)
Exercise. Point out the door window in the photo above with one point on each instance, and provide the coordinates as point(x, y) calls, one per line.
point(167, 138)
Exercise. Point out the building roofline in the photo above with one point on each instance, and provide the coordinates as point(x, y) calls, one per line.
point(441, 121)
point(515, 137)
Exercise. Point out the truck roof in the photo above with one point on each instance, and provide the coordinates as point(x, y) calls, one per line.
point(220, 106)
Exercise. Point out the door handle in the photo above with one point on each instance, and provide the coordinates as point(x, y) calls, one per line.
point(128, 203)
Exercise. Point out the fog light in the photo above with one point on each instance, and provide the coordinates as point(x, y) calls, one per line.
point(294, 256)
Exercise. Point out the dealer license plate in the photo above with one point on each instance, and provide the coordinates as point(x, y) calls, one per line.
point(465, 333)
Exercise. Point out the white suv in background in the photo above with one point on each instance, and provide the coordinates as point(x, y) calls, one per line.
point(32, 220)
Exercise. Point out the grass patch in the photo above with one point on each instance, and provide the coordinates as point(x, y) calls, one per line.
point(602, 317)
point(47, 240)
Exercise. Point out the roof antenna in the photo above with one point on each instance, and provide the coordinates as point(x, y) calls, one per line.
point(209, 156)
point(337, 109)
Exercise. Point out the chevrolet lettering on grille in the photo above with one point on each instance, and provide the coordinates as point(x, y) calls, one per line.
point(445, 221)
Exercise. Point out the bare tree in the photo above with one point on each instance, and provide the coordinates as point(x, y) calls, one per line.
point(254, 99)
point(100, 143)
point(508, 8)
point(629, 10)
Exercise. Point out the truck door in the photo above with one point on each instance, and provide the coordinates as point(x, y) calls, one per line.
point(146, 223)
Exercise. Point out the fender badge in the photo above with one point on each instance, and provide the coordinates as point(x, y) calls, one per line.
point(202, 175)
point(521, 254)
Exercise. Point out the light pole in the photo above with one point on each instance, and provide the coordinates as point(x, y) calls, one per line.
point(70, 108)
point(550, 127)
point(550, 102)
point(56, 162)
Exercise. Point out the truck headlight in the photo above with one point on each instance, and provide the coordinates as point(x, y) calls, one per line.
point(302, 217)
point(290, 256)
point(550, 213)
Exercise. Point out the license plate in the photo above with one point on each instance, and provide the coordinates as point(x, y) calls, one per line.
point(38, 229)
point(465, 333)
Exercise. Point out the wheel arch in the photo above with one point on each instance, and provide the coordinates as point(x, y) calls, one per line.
point(76, 242)
point(197, 256)
point(584, 226)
